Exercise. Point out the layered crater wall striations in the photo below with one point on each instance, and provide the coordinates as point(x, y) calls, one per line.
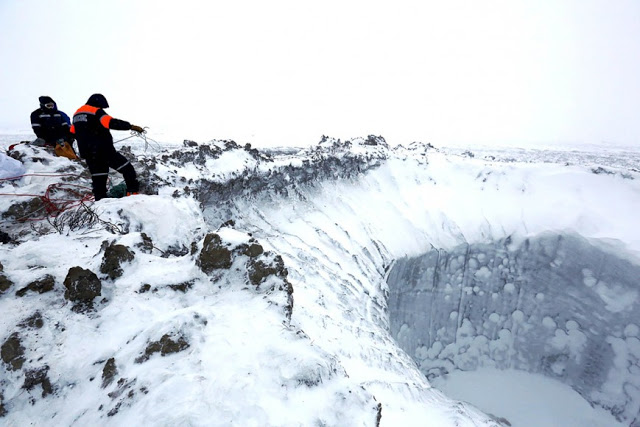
point(556, 304)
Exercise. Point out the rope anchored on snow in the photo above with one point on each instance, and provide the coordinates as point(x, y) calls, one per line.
point(58, 197)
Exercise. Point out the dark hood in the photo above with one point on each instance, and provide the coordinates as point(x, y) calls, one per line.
point(45, 100)
point(98, 100)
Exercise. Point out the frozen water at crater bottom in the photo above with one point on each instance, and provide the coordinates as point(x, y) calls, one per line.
point(557, 305)
point(524, 399)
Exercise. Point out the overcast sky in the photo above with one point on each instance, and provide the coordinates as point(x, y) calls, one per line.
point(285, 72)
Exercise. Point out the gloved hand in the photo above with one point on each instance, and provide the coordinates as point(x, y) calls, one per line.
point(137, 129)
point(60, 141)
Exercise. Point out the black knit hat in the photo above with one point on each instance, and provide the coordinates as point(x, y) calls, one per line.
point(98, 100)
point(46, 100)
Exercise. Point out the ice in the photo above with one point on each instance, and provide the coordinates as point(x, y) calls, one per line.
point(525, 400)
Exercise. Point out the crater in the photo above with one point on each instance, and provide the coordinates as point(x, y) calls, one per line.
point(555, 304)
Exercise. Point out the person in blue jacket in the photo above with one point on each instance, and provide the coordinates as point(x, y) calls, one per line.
point(91, 126)
point(50, 125)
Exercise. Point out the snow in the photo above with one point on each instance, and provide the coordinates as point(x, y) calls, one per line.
point(10, 167)
point(339, 236)
point(168, 221)
point(525, 400)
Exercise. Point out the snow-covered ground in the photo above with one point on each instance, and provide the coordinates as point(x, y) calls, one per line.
point(231, 351)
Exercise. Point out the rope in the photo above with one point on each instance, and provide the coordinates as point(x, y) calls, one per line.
point(40, 174)
point(156, 145)
point(124, 139)
point(76, 195)
point(12, 146)
point(143, 135)
point(55, 207)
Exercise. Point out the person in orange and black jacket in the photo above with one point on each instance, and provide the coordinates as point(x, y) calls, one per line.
point(91, 126)
point(50, 125)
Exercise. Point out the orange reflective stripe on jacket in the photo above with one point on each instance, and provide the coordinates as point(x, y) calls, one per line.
point(87, 109)
point(73, 129)
point(105, 120)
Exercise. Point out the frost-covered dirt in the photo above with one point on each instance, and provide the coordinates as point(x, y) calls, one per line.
point(213, 341)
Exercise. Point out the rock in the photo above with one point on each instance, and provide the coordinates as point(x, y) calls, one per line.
point(166, 345)
point(82, 286)
point(114, 256)
point(123, 385)
point(287, 287)
point(146, 245)
point(34, 321)
point(261, 269)
point(36, 377)
point(182, 287)
point(5, 283)
point(375, 140)
point(175, 250)
point(40, 286)
point(23, 210)
point(12, 352)
point(280, 291)
point(109, 372)
point(3, 411)
point(251, 250)
point(213, 255)
point(228, 223)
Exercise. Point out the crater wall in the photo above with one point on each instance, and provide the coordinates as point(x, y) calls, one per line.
point(556, 304)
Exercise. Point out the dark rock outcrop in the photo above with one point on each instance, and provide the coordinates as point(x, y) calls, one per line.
point(34, 321)
point(12, 352)
point(114, 257)
point(4, 238)
point(260, 269)
point(23, 210)
point(166, 345)
point(146, 246)
point(182, 287)
point(280, 291)
point(251, 250)
point(40, 286)
point(82, 287)
point(214, 254)
point(109, 372)
point(5, 283)
point(39, 377)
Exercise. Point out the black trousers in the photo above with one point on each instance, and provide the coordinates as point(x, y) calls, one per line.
point(99, 164)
